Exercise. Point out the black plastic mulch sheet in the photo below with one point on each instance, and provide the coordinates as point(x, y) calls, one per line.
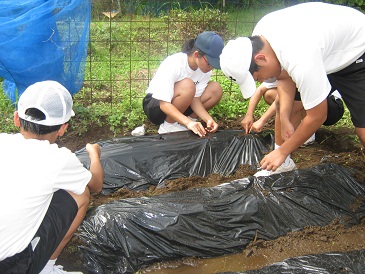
point(327, 263)
point(139, 162)
point(125, 235)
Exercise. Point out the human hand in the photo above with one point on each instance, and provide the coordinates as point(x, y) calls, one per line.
point(197, 128)
point(212, 126)
point(257, 126)
point(247, 123)
point(93, 150)
point(273, 160)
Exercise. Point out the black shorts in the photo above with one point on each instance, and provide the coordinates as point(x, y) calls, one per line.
point(57, 221)
point(350, 83)
point(335, 108)
point(151, 108)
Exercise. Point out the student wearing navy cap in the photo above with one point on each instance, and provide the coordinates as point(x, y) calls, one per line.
point(180, 92)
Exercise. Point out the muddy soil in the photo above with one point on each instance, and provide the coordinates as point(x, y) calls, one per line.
point(332, 145)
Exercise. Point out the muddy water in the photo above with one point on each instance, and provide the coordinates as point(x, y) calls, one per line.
point(230, 263)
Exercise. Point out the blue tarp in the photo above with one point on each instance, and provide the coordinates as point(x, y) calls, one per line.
point(43, 40)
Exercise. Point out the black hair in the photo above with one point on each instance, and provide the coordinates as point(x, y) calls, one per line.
point(189, 47)
point(257, 45)
point(37, 129)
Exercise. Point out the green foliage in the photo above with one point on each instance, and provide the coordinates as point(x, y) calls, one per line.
point(232, 104)
point(126, 115)
point(123, 55)
point(84, 117)
point(187, 24)
point(359, 4)
point(7, 114)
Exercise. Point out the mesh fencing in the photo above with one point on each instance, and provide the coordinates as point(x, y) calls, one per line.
point(106, 51)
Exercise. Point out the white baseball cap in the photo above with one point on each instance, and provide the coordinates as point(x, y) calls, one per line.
point(235, 62)
point(49, 97)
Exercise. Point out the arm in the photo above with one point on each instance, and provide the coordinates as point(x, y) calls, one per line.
point(96, 182)
point(254, 100)
point(199, 109)
point(286, 94)
point(309, 125)
point(259, 124)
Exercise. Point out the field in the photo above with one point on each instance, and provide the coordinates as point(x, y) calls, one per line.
point(335, 145)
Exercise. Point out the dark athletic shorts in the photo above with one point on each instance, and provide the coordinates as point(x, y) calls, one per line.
point(151, 108)
point(57, 221)
point(335, 108)
point(350, 83)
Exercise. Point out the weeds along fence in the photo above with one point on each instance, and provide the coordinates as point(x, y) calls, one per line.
point(129, 39)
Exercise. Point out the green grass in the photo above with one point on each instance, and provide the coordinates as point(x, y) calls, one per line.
point(123, 56)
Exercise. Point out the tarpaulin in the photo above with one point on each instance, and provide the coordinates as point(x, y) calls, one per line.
point(139, 162)
point(43, 40)
point(124, 235)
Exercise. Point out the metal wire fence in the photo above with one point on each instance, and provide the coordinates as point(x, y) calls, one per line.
point(129, 39)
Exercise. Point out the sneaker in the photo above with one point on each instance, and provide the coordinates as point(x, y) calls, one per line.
point(166, 127)
point(310, 141)
point(58, 269)
point(280, 169)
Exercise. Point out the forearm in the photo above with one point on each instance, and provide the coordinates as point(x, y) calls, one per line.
point(254, 100)
point(198, 108)
point(309, 125)
point(97, 179)
point(270, 112)
point(286, 94)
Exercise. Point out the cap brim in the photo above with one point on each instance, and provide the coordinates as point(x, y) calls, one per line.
point(248, 87)
point(214, 62)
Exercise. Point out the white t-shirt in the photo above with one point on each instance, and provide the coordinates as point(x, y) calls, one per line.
point(270, 85)
point(173, 69)
point(31, 171)
point(312, 40)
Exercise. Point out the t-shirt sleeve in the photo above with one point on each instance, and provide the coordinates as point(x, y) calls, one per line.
point(270, 85)
point(162, 83)
point(309, 74)
point(73, 176)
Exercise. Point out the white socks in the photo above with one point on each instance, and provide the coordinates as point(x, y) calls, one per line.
point(49, 267)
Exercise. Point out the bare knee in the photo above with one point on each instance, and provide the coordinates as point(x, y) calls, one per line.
point(269, 96)
point(213, 92)
point(184, 88)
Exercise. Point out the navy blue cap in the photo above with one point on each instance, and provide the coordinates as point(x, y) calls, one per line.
point(212, 45)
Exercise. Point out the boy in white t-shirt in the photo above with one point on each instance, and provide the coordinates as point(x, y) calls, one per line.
point(181, 91)
point(46, 188)
point(306, 47)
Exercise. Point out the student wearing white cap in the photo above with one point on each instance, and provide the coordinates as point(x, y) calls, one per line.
point(46, 188)
point(306, 47)
point(181, 90)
